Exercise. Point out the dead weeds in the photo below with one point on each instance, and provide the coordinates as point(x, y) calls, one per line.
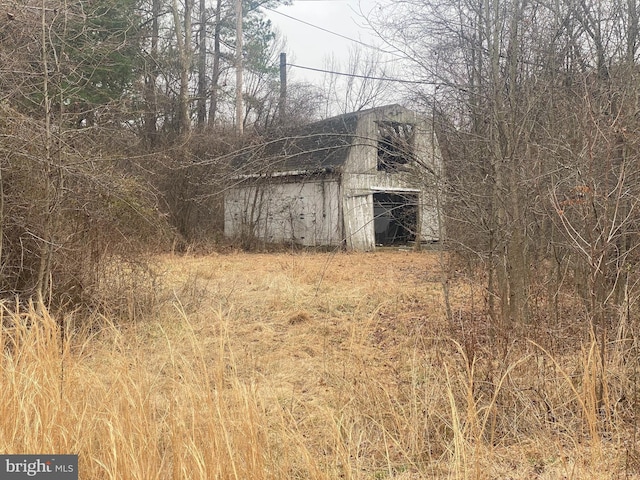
point(327, 366)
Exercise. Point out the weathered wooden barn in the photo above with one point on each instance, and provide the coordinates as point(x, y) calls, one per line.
point(357, 180)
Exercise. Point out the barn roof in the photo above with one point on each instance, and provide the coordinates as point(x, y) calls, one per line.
point(317, 147)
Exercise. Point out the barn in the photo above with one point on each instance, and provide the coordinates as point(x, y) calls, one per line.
point(359, 180)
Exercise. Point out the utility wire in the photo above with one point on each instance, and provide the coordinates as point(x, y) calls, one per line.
point(334, 33)
point(367, 77)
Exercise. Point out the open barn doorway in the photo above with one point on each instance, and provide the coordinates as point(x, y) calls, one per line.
point(395, 218)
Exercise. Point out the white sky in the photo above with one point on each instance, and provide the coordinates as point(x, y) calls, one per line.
point(311, 47)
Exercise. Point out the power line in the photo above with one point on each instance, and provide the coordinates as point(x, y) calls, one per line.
point(332, 32)
point(367, 77)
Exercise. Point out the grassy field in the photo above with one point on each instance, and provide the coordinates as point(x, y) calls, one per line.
point(317, 366)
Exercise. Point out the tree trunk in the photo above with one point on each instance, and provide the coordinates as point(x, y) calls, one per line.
point(44, 270)
point(183, 44)
point(151, 94)
point(202, 66)
point(215, 77)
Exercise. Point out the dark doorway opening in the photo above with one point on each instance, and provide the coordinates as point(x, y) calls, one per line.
point(395, 218)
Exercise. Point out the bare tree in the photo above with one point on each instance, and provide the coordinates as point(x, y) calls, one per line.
point(514, 124)
point(356, 85)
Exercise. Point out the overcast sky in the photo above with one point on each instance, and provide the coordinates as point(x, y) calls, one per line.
point(309, 46)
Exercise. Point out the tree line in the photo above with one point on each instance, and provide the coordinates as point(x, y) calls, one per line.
point(116, 110)
point(106, 105)
point(537, 110)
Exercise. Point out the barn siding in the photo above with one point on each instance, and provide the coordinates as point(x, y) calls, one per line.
point(358, 219)
point(305, 212)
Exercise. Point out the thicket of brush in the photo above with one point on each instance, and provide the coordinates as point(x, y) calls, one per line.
point(76, 227)
point(268, 366)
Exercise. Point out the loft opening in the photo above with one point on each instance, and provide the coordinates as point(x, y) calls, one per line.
point(395, 145)
point(395, 218)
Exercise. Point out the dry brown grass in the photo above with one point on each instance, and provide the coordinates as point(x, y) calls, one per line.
point(315, 366)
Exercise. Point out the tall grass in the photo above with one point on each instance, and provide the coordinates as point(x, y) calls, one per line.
point(271, 376)
point(97, 396)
